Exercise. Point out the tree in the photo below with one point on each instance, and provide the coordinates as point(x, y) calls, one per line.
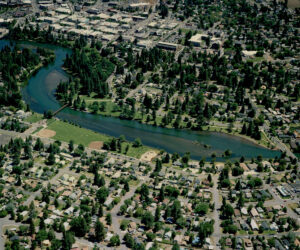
point(79, 226)
point(31, 227)
point(147, 220)
point(227, 211)
point(126, 186)
point(241, 200)
point(176, 246)
point(144, 192)
point(71, 145)
point(158, 166)
point(51, 159)
point(99, 231)
point(27, 151)
point(176, 210)
point(108, 219)
point(181, 222)
point(41, 235)
point(186, 158)
point(115, 241)
point(205, 230)
point(68, 240)
point(137, 143)
point(201, 208)
point(157, 213)
point(129, 241)
point(102, 194)
point(100, 211)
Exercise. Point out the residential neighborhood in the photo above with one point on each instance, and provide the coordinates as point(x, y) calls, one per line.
point(149, 124)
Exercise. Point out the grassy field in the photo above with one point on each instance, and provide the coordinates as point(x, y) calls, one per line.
point(35, 117)
point(66, 132)
point(136, 152)
point(109, 109)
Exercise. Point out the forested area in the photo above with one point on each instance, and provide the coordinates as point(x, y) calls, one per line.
point(15, 66)
point(30, 33)
point(89, 70)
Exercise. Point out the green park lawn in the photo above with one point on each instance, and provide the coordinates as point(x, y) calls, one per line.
point(66, 132)
point(35, 117)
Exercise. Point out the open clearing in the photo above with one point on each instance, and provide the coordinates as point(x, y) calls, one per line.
point(66, 132)
point(294, 4)
point(46, 133)
point(96, 144)
point(148, 156)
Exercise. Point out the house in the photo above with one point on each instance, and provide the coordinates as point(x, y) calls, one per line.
point(264, 225)
point(237, 213)
point(253, 212)
point(274, 226)
point(259, 210)
point(245, 226)
point(253, 224)
point(167, 46)
point(244, 211)
point(228, 242)
point(248, 243)
point(278, 245)
point(239, 243)
point(168, 235)
point(283, 192)
point(46, 243)
point(108, 201)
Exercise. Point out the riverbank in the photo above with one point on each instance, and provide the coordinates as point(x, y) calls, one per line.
point(65, 132)
point(39, 95)
point(263, 142)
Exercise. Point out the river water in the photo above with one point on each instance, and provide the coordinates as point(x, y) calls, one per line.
point(39, 94)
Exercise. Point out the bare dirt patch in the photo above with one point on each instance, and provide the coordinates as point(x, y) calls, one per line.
point(46, 133)
point(294, 4)
point(96, 144)
point(148, 156)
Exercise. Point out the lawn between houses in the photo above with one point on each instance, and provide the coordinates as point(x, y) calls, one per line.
point(66, 132)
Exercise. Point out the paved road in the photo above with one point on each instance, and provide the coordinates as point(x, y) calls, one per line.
point(216, 199)
point(4, 222)
point(116, 219)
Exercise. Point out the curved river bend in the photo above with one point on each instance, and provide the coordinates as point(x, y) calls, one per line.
point(39, 94)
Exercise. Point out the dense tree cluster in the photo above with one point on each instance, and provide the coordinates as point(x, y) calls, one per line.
point(15, 64)
point(90, 70)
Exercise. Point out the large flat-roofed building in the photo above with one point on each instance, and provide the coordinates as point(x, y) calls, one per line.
point(93, 11)
point(197, 39)
point(139, 5)
point(144, 43)
point(167, 46)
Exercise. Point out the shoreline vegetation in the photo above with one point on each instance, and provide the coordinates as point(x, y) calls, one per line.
point(114, 113)
point(18, 65)
point(264, 142)
point(114, 108)
point(65, 131)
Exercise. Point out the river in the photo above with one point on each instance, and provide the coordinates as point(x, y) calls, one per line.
point(39, 94)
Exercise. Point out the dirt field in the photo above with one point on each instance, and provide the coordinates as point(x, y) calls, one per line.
point(148, 156)
point(96, 144)
point(46, 133)
point(294, 4)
